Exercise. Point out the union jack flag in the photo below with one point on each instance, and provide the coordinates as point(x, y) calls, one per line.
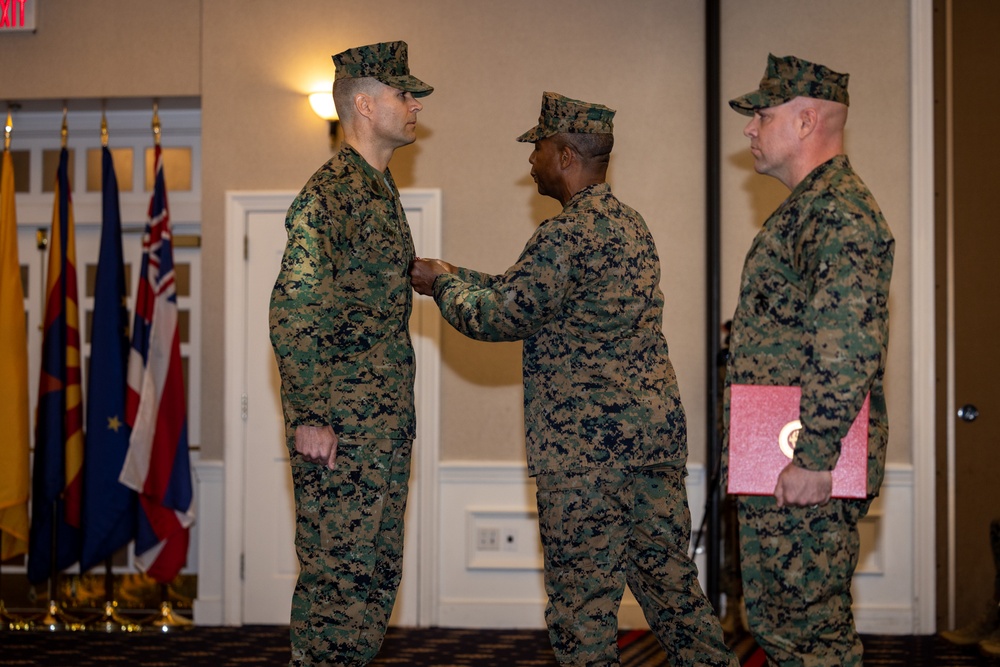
point(157, 464)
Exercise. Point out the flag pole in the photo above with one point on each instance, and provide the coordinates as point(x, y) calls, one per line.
point(166, 620)
point(53, 563)
point(64, 132)
point(55, 618)
point(8, 128)
point(156, 122)
point(8, 621)
point(110, 620)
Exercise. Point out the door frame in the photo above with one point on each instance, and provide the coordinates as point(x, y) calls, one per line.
point(922, 325)
point(427, 346)
point(949, 550)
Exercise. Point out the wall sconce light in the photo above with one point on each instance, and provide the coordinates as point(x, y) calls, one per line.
point(322, 104)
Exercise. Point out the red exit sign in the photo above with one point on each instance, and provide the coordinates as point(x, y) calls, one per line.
point(17, 15)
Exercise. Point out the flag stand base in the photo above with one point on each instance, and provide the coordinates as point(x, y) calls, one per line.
point(10, 622)
point(167, 620)
point(111, 621)
point(56, 620)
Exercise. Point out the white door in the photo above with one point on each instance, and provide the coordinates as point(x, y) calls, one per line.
point(269, 563)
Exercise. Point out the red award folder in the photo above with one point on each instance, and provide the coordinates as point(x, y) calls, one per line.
point(763, 426)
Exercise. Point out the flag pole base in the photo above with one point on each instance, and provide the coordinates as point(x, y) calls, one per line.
point(9, 621)
point(57, 620)
point(112, 621)
point(167, 620)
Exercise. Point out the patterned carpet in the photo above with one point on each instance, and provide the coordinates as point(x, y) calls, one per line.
point(267, 646)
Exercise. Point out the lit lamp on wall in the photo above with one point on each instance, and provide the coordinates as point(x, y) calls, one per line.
point(322, 104)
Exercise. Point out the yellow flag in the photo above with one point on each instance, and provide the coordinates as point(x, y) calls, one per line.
point(14, 379)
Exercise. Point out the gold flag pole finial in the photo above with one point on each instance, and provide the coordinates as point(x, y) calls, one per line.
point(104, 125)
point(156, 122)
point(7, 130)
point(65, 128)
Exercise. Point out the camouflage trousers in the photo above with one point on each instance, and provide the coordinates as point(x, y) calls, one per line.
point(349, 540)
point(797, 564)
point(602, 528)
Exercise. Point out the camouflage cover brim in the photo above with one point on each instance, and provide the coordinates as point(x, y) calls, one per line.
point(758, 99)
point(536, 133)
point(409, 83)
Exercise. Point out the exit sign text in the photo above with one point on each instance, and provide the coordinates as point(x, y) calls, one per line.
point(17, 15)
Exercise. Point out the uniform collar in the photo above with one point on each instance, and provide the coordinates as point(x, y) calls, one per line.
point(836, 163)
point(595, 190)
point(379, 183)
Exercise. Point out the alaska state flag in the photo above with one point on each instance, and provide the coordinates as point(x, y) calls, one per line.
point(14, 477)
point(58, 466)
point(108, 505)
point(157, 463)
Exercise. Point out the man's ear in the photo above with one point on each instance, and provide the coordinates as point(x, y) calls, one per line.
point(808, 119)
point(566, 157)
point(363, 104)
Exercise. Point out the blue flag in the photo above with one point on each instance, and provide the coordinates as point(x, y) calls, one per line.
point(109, 507)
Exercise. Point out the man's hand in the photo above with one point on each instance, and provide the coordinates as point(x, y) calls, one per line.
point(317, 444)
point(424, 271)
point(801, 487)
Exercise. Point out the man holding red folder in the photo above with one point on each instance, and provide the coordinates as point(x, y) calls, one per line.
point(812, 313)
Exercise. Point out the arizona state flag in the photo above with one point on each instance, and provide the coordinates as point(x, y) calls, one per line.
point(108, 505)
point(157, 463)
point(14, 379)
point(57, 475)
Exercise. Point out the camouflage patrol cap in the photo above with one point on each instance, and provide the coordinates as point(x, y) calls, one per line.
point(562, 114)
point(790, 77)
point(385, 61)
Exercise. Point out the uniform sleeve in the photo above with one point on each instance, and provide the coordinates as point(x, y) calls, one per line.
point(844, 333)
point(300, 313)
point(515, 305)
point(477, 278)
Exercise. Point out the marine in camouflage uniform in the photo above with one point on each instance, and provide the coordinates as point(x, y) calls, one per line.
point(339, 326)
point(812, 312)
point(605, 430)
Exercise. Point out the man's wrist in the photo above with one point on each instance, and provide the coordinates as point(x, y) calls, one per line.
point(434, 282)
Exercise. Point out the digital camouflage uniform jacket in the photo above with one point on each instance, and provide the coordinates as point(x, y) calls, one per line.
point(599, 388)
point(813, 312)
point(341, 304)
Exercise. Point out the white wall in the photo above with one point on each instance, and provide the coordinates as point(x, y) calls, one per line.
point(502, 588)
